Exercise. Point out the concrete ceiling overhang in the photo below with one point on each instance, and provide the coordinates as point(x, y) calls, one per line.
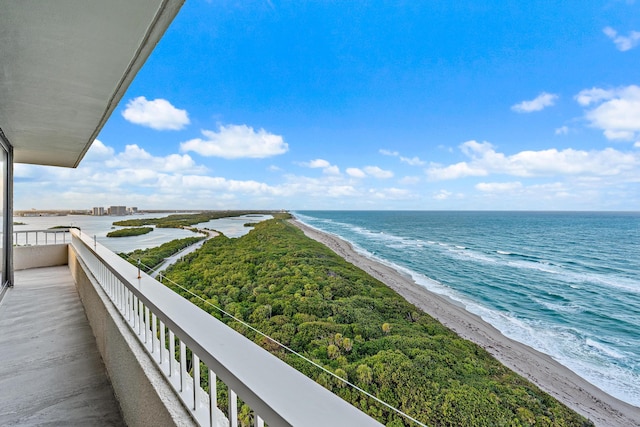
point(65, 65)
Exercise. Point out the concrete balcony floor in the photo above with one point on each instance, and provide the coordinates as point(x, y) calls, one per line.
point(51, 372)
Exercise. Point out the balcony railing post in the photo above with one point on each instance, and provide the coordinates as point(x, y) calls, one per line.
point(233, 408)
point(154, 332)
point(162, 342)
point(213, 398)
point(183, 367)
point(146, 325)
point(172, 351)
point(196, 380)
point(140, 317)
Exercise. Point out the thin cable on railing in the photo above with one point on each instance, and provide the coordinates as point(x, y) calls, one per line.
point(306, 359)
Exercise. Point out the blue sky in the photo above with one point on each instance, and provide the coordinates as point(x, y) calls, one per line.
point(372, 105)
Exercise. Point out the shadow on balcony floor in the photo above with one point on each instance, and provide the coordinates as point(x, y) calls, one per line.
point(50, 370)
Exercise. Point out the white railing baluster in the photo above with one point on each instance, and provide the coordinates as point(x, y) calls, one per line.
point(137, 315)
point(146, 325)
point(120, 296)
point(132, 317)
point(140, 317)
point(233, 408)
point(172, 351)
point(162, 342)
point(213, 399)
point(127, 314)
point(154, 332)
point(134, 312)
point(22, 237)
point(183, 367)
point(196, 379)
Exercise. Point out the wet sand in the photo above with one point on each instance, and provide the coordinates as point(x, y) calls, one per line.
point(552, 377)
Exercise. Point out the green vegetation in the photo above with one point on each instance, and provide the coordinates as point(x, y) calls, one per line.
point(126, 232)
point(185, 220)
point(55, 227)
point(153, 257)
point(18, 223)
point(302, 294)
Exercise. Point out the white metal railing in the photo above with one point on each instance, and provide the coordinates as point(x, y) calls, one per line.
point(51, 236)
point(164, 321)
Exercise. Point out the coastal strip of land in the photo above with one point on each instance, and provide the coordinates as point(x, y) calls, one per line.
point(539, 368)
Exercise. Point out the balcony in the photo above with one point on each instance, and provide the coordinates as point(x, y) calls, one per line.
point(87, 339)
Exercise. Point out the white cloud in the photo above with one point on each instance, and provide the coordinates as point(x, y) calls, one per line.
point(318, 163)
point(390, 193)
point(158, 114)
point(637, 144)
point(413, 161)
point(438, 172)
point(98, 151)
point(326, 167)
point(617, 112)
point(227, 185)
point(442, 195)
point(539, 103)
point(315, 189)
point(563, 130)
point(337, 191)
point(136, 158)
point(388, 152)
point(493, 187)
point(237, 141)
point(593, 95)
point(376, 172)
point(623, 43)
point(409, 180)
point(331, 170)
point(485, 160)
point(355, 172)
point(22, 171)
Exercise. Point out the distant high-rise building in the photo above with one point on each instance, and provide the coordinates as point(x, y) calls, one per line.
point(133, 210)
point(117, 210)
point(97, 211)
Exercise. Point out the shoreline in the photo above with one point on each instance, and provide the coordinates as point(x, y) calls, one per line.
point(539, 368)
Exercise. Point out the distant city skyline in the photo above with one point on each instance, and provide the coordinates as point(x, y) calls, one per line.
point(321, 105)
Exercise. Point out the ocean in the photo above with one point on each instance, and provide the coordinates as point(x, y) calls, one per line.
point(565, 283)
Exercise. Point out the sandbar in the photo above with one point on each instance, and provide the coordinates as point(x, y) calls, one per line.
point(539, 368)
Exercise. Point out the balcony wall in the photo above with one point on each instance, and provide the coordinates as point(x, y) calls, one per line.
point(26, 257)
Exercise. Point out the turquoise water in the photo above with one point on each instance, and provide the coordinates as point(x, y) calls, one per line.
point(567, 284)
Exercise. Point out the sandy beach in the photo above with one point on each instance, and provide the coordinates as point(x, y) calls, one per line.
point(552, 377)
